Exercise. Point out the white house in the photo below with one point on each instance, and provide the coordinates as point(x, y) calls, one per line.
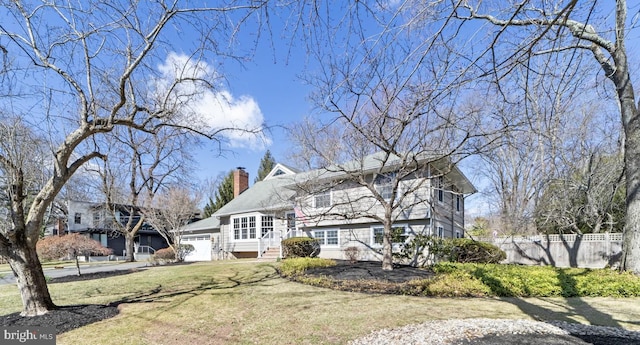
point(341, 206)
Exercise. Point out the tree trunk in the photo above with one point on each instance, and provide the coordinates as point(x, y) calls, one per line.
point(26, 266)
point(631, 125)
point(631, 241)
point(129, 247)
point(387, 249)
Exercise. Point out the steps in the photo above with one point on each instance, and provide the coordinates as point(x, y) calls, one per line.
point(271, 254)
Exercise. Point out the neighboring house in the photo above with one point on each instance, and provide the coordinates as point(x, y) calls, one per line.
point(97, 222)
point(333, 206)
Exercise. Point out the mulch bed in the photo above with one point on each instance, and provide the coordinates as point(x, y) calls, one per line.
point(370, 270)
point(67, 318)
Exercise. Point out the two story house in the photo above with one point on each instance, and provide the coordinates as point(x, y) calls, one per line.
point(98, 223)
point(342, 206)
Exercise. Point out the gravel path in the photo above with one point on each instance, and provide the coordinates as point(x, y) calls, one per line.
point(492, 331)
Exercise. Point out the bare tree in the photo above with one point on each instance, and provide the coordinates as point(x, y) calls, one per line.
point(138, 167)
point(398, 93)
point(572, 31)
point(169, 212)
point(92, 68)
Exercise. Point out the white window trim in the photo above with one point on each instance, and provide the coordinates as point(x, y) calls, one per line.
point(320, 194)
point(407, 232)
point(258, 227)
point(440, 189)
point(385, 180)
point(325, 238)
point(458, 202)
point(439, 231)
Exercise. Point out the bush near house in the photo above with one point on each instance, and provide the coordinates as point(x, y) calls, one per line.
point(69, 246)
point(423, 250)
point(300, 247)
point(164, 254)
point(466, 250)
point(296, 266)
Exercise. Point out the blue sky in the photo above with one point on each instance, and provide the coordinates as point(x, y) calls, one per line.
point(272, 80)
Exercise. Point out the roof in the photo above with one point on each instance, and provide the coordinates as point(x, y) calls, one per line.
point(278, 191)
point(266, 195)
point(203, 224)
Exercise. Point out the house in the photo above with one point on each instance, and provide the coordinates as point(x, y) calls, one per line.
point(97, 222)
point(341, 206)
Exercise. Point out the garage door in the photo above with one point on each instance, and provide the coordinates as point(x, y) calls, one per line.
point(202, 246)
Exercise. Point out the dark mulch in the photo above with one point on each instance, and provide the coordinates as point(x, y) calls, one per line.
point(370, 270)
point(66, 318)
point(91, 276)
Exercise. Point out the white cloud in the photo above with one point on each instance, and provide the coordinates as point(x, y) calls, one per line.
point(210, 108)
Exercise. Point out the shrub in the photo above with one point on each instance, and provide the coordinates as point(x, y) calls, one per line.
point(415, 252)
point(300, 247)
point(164, 254)
point(69, 246)
point(184, 250)
point(296, 266)
point(466, 250)
point(352, 254)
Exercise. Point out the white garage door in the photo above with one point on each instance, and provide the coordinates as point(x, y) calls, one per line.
point(202, 245)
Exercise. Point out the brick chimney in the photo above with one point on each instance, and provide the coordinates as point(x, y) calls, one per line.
point(240, 181)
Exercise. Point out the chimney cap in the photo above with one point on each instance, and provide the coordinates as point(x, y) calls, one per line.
point(240, 168)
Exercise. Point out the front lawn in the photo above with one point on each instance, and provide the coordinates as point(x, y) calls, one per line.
point(237, 302)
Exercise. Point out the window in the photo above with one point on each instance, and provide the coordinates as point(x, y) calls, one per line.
point(267, 225)
point(244, 228)
point(322, 199)
point(458, 203)
point(440, 187)
point(236, 228)
point(77, 218)
point(252, 227)
point(399, 235)
point(458, 234)
point(326, 237)
point(384, 185)
point(440, 232)
point(291, 221)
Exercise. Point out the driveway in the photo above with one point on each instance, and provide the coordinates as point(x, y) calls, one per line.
point(70, 269)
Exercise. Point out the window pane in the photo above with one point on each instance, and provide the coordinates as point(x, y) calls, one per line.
point(252, 227)
point(377, 235)
point(332, 237)
point(236, 229)
point(323, 199)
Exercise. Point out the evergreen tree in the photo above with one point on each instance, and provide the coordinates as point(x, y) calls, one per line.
point(266, 165)
point(224, 194)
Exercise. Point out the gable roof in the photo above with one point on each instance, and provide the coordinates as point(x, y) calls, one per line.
point(281, 169)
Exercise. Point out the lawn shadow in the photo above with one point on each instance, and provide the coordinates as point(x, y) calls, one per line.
point(574, 306)
point(67, 318)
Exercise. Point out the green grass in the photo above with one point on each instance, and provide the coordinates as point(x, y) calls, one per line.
point(235, 302)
